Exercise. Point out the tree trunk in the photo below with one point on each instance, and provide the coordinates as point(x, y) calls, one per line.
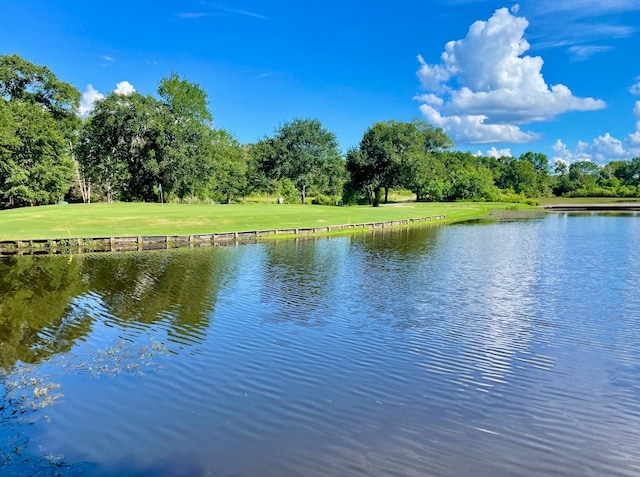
point(303, 193)
point(376, 197)
point(82, 184)
point(228, 197)
point(386, 195)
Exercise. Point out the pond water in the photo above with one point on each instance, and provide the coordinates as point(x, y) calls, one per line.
point(480, 349)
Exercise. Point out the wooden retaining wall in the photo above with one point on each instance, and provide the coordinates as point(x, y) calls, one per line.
point(158, 242)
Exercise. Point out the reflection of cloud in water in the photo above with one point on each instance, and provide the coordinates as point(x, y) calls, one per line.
point(484, 323)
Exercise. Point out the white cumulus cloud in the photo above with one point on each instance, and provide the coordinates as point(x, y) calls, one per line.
point(564, 154)
point(635, 89)
point(497, 87)
point(89, 97)
point(473, 128)
point(604, 148)
point(634, 138)
point(124, 88)
point(497, 153)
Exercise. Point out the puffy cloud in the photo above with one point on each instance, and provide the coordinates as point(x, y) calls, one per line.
point(124, 88)
point(564, 154)
point(474, 129)
point(635, 89)
point(493, 152)
point(89, 97)
point(498, 87)
point(431, 99)
point(634, 138)
point(604, 148)
point(432, 77)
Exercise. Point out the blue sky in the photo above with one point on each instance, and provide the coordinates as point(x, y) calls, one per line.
point(550, 76)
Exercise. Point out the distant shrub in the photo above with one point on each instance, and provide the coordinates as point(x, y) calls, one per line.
point(288, 192)
point(512, 197)
point(627, 191)
point(593, 192)
point(321, 199)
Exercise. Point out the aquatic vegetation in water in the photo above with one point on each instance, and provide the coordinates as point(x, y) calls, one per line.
point(120, 358)
point(24, 394)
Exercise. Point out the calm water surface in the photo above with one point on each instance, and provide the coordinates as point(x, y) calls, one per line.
point(505, 349)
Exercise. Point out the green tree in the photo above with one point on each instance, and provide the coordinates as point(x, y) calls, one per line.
point(21, 80)
point(257, 178)
point(132, 143)
point(302, 151)
point(230, 163)
point(520, 174)
point(420, 165)
point(630, 173)
point(361, 177)
point(395, 154)
point(561, 184)
point(541, 166)
point(539, 161)
point(186, 163)
point(121, 145)
point(37, 123)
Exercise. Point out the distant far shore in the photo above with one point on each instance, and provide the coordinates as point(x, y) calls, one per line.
point(630, 206)
point(595, 204)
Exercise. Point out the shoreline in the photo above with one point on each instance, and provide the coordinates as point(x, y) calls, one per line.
point(595, 206)
point(165, 242)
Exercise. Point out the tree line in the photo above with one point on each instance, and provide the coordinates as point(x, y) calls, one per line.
point(134, 147)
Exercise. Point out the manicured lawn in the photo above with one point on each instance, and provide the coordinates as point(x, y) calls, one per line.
point(128, 219)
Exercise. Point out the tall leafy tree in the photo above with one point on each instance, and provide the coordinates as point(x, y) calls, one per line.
point(186, 164)
point(302, 151)
point(121, 145)
point(132, 143)
point(21, 80)
point(230, 162)
point(37, 116)
point(395, 154)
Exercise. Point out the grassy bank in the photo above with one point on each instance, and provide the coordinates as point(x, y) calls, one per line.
point(588, 200)
point(130, 219)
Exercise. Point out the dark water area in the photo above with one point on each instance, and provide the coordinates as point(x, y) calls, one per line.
point(501, 349)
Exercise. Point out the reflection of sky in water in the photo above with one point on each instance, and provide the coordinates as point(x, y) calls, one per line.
point(501, 349)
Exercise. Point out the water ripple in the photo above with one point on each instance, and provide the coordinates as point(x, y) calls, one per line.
point(470, 350)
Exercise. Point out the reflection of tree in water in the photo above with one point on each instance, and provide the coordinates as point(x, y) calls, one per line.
point(299, 276)
point(398, 244)
point(178, 287)
point(47, 303)
point(44, 299)
point(35, 297)
point(391, 271)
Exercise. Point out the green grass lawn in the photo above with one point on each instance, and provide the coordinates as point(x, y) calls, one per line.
point(130, 219)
